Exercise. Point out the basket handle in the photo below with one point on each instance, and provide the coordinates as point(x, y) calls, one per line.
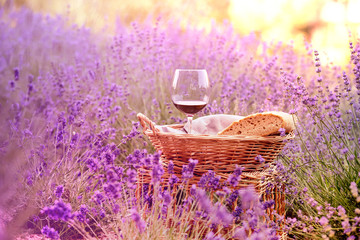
point(145, 122)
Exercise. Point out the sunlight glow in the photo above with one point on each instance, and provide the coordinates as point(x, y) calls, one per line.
point(324, 23)
point(333, 12)
point(353, 14)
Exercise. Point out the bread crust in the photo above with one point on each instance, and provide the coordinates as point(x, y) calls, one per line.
point(261, 124)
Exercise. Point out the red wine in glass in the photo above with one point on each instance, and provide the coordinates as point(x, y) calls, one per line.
point(190, 91)
point(190, 107)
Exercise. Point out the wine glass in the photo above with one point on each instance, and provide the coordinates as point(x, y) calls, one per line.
point(190, 91)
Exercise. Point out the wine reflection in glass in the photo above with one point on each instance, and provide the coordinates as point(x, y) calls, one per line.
point(190, 92)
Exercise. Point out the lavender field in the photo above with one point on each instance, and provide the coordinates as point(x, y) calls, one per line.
point(71, 144)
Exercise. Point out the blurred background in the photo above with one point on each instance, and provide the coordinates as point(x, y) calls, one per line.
point(324, 23)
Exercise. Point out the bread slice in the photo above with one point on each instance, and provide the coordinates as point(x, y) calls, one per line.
point(261, 124)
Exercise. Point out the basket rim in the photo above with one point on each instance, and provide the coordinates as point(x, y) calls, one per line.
point(288, 136)
point(151, 130)
point(275, 138)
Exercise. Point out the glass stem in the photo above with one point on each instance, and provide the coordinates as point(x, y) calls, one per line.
point(190, 119)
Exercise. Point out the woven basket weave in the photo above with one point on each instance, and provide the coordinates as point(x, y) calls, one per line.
point(220, 153)
point(262, 181)
point(259, 180)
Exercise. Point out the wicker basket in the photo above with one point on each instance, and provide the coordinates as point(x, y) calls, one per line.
point(219, 153)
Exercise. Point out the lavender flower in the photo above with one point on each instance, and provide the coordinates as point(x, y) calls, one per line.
point(221, 215)
point(237, 213)
point(81, 213)
point(193, 189)
point(173, 180)
point(212, 236)
point(232, 197)
point(354, 190)
point(233, 180)
point(140, 223)
point(157, 172)
point(323, 221)
point(238, 170)
point(109, 158)
point(98, 197)
point(188, 170)
point(156, 158)
point(248, 197)
point(241, 232)
point(59, 191)
point(268, 204)
point(59, 211)
point(204, 201)
point(282, 132)
point(260, 159)
point(112, 190)
point(29, 179)
point(171, 167)
point(112, 176)
point(92, 164)
point(166, 201)
point(210, 181)
point(131, 178)
point(166, 198)
point(192, 164)
point(50, 232)
point(16, 74)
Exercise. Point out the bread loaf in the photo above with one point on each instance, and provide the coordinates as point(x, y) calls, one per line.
point(261, 124)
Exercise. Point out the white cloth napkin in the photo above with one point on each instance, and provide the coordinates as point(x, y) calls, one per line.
point(207, 125)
